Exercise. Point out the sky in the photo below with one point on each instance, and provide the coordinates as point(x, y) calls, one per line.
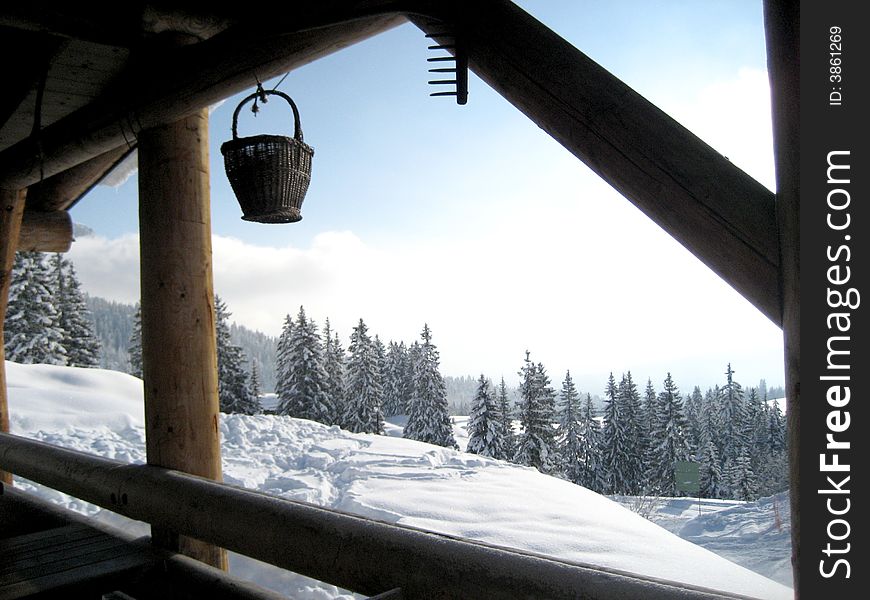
point(473, 220)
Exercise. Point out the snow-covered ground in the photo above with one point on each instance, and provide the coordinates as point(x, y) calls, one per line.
point(387, 478)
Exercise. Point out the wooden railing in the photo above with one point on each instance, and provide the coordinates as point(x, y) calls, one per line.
point(360, 554)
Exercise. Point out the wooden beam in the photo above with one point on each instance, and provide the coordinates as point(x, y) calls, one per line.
point(179, 356)
point(719, 213)
point(63, 190)
point(782, 30)
point(45, 231)
point(11, 209)
point(33, 55)
point(173, 85)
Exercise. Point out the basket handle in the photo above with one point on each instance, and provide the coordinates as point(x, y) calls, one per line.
point(297, 126)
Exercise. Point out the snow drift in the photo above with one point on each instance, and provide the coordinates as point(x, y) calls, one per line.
point(386, 478)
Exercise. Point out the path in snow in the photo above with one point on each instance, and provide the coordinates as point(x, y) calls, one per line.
point(383, 477)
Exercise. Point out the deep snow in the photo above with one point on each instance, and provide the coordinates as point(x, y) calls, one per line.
point(383, 477)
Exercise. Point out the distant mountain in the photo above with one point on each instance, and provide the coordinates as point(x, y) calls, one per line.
point(113, 323)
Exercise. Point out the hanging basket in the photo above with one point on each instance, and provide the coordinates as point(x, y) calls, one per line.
point(269, 173)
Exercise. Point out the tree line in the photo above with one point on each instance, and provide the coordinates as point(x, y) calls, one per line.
point(737, 438)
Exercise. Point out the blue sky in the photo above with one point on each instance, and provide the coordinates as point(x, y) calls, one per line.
point(472, 219)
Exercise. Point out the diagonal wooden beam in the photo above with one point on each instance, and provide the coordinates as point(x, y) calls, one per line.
point(719, 213)
point(63, 190)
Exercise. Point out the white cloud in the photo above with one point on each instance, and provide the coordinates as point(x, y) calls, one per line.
point(558, 263)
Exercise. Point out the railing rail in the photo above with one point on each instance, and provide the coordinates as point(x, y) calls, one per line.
point(356, 553)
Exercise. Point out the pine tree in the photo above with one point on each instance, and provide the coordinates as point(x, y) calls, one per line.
point(591, 476)
point(428, 417)
point(32, 331)
point(710, 472)
point(254, 385)
point(571, 444)
point(306, 397)
point(134, 347)
point(283, 354)
point(635, 438)
point(536, 444)
point(364, 390)
point(505, 415)
point(669, 438)
point(486, 435)
point(734, 417)
point(395, 380)
point(742, 482)
point(333, 364)
point(232, 380)
point(614, 446)
point(79, 340)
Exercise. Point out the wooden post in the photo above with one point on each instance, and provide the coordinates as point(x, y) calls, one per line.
point(11, 209)
point(782, 30)
point(179, 356)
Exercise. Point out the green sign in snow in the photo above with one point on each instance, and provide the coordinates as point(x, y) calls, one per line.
point(687, 476)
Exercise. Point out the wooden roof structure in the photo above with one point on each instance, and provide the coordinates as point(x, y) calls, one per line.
point(87, 86)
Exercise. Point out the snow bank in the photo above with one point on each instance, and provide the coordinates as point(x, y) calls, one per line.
point(384, 477)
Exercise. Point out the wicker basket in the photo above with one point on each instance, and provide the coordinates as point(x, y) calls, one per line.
point(269, 173)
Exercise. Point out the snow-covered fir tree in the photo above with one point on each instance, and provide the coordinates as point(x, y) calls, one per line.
point(428, 417)
point(505, 414)
point(79, 340)
point(733, 417)
point(615, 462)
point(334, 365)
point(282, 361)
point(741, 480)
point(306, 396)
point(233, 391)
point(362, 413)
point(635, 435)
point(536, 444)
point(486, 435)
point(32, 331)
point(134, 346)
point(591, 475)
point(571, 445)
point(255, 387)
point(710, 472)
point(396, 380)
point(668, 439)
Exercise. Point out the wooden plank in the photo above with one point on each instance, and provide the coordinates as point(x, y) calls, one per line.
point(11, 208)
point(60, 558)
point(782, 30)
point(720, 214)
point(45, 537)
point(99, 576)
point(179, 354)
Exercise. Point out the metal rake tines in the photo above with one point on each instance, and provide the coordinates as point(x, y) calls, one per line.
point(459, 68)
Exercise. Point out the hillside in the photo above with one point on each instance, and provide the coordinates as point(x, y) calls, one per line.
point(391, 479)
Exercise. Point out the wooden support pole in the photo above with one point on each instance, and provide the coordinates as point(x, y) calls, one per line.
point(179, 356)
point(11, 209)
point(782, 30)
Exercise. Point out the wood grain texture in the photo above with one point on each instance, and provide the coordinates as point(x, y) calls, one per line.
point(782, 30)
point(179, 356)
point(11, 209)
